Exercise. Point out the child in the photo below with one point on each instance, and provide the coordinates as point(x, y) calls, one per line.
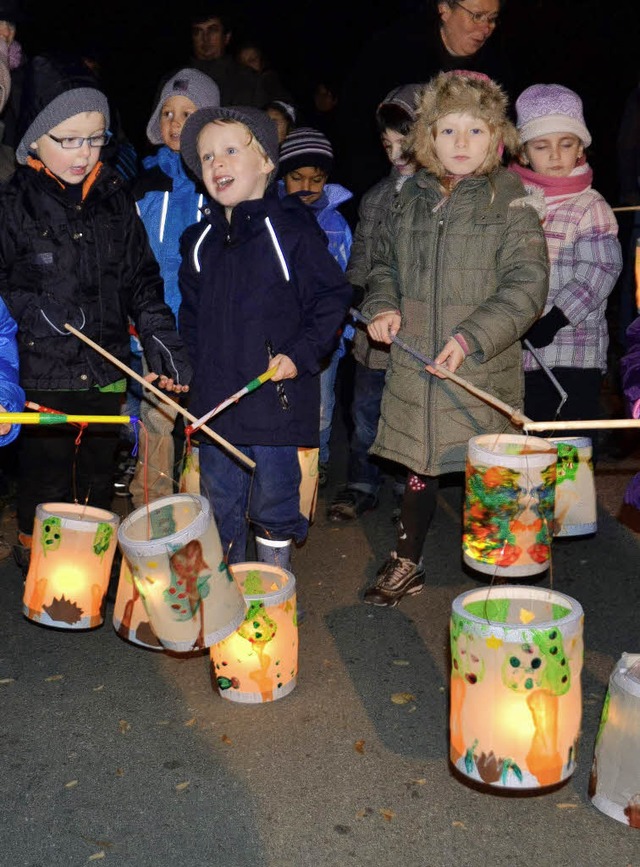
point(168, 202)
point(259, 289)
point(73, 250)
point(394, 118)
point(571, 337)
point(284, 115)
point(306, 159)
point(461, 271)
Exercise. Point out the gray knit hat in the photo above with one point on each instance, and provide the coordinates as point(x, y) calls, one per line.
point(261, 125)
point(405, 97)
point(201, 89)
point(305, 146)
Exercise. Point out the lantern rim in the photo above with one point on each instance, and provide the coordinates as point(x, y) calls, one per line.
point(86, 515)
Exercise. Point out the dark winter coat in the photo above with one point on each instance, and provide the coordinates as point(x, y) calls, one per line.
point(265, 276)
point(87, 263)
point(475, 264)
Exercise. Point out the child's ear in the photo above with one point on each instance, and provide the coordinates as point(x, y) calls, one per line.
point(268, 166)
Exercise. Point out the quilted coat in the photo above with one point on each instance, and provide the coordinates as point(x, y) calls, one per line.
point(473, 263)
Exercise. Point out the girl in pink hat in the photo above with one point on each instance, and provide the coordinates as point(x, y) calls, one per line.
point(571, 336)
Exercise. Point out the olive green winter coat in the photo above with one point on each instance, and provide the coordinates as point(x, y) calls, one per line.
point(473, 263)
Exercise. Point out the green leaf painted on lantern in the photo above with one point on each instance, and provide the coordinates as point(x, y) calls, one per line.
point(604, 716)
point(102, 538)
point(568, 463)
point(51, 535)
point(559, 611)
point(253, 584)
point(258, 627)
point(496, 610)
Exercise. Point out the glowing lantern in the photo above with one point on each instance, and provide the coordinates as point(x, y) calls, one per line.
point(509, 504)
point(190, 475)
point(174, 552)
point(71, 559)
point(516, 699)
point(575, 505)
point(130, 618)
point(259, 662)
point(614, 786)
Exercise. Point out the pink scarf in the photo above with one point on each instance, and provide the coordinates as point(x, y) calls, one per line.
point(553, 188)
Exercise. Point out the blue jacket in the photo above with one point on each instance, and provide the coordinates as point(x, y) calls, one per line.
point(266, 275)
point(11, 394)
point(331, 220)
point(168, 202)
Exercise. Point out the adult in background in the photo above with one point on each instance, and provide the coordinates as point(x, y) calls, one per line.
point(211, 32)
point(451, 35)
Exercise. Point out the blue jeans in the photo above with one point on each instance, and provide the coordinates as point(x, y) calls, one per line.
point(327, 404)
point(267, 498)
point(364, 472)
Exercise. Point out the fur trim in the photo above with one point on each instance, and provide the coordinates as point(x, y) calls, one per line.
point(460, 93)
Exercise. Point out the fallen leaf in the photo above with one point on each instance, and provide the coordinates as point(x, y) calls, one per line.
point(71, 784)
point(119, 772)
point(387, 814)
point(180, 787)
point(226, 740)
point(54, 677)
point(401, 662)
point(98, 688)
point(190, 722)
point(402, 697)
point(421, 782)
point(7, 680)
point(124, 726)
point(163, 722)
point(567, 806)
point(458, 825)
point(97, 857)
point(359, 746)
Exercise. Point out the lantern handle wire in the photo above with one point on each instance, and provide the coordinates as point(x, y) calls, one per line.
point(161, 395)
point(549, 373)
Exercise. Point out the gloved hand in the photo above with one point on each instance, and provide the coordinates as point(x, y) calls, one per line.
point(168, 359)
point(545, 329)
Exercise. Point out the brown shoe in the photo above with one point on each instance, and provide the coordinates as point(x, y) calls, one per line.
point(397, 577)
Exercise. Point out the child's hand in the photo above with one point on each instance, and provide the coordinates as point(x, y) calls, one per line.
point(286, 369)
point(165, 383)
point(384, 327)
point(451, 357)
point(6, 427)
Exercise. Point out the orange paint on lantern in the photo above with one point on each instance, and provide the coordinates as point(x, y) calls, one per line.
point(543, 759)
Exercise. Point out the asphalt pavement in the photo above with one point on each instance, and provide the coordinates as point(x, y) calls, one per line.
point(124, 756)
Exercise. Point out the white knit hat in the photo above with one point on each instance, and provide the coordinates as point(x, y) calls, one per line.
point(547, 108)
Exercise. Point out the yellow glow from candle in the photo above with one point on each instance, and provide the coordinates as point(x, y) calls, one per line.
point(69, 579)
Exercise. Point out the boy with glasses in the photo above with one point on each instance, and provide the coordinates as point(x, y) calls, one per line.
point(73, 250)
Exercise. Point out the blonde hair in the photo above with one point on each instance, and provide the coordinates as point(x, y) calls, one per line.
point(461, 92)
point(252, 142)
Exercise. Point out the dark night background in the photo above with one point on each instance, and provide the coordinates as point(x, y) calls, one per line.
point(589, 45)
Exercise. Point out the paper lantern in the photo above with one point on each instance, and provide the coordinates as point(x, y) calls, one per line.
point(259, 662)
point(71, 559)
point(575, 504)
point(174, 551)
point(516, 699)
point(614, 786)
point(130, 618)
point(190, 475)
point(509, 504)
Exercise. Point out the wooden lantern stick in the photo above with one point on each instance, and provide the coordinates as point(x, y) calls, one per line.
point(162, 396)
point(583, 424)
point(515, 415)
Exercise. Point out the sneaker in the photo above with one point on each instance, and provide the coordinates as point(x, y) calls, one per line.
point(397, 577)
point(124, 475)
point(348, 504)
point(323, 475)
point(22, 558)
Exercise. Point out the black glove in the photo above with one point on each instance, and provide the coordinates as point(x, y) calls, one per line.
point(545, 329)
point(168, 358)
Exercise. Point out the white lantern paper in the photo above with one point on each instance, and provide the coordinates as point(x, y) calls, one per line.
point(174, 551)
point(516, 699)
point(70, 565)
point(130, 618)
point(575, 505)
point(614, 786)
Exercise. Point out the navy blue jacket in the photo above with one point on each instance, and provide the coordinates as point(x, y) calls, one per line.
point(265, 276)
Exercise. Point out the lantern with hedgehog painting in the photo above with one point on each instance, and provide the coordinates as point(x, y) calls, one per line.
point(516, 703)
point(174, 552)
point(70, 565)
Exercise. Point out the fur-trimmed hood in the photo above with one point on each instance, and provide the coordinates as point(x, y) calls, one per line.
point(462, 92)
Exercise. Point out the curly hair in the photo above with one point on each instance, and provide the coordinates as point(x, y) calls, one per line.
point(462, 92)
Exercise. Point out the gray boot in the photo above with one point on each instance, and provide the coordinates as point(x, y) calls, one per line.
point(274, 552)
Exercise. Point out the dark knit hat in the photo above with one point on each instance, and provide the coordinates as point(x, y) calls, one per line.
point(305, 146)
point(201, 89)
point(261, 125)
point(405, 97)
point(55, 88)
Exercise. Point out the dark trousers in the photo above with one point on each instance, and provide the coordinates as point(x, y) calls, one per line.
point(51, 468)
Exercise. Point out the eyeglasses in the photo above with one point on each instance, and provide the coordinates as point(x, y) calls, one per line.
point(282, 394)
point(490, 18)
point(69, 143)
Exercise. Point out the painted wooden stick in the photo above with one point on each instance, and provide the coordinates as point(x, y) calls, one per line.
point(161, 395)
point(235, 397)
point(583, 424)
point(626, 208)
point(61, 418)
point(515, 415)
